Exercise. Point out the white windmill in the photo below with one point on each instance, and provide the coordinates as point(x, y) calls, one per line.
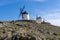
point(39, 19)
point(24, 14)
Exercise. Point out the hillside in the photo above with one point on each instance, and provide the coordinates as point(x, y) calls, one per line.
point(28, 30)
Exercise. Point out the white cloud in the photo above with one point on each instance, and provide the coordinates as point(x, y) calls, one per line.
point(54, 21)
point(52, 16)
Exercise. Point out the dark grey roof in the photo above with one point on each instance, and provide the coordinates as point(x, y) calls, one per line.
point(24, 12)
point(38, 17)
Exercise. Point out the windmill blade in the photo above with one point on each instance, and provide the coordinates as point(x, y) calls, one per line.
point(21, 10)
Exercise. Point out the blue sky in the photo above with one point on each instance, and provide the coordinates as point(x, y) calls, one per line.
point(49, 10)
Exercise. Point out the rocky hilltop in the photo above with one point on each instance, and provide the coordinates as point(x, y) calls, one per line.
point(28, 30)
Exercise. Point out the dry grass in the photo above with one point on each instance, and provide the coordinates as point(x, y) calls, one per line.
point(29, 27)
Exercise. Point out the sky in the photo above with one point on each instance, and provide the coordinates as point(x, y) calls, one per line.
point(49, 10)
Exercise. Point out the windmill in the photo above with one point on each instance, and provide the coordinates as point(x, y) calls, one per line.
point(24, 14)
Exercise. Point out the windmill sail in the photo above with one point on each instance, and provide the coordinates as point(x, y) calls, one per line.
point(21, 10)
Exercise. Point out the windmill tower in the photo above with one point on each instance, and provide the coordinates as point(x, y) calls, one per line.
point(24, 14)
point(39, 19)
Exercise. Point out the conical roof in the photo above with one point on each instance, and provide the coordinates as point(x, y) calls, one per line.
point(39, 17)
point(24, 12)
